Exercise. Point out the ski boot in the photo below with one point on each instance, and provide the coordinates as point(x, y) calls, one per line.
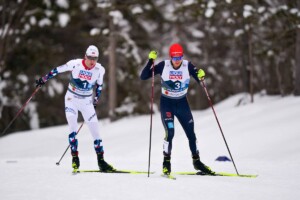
point(198, 165)
point(75, 160)
point(167, 165)
point(103, 165)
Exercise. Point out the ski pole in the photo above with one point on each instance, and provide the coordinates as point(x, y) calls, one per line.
point(21, 109)
point(212, 107)
point(151, 110)
point(68, 146)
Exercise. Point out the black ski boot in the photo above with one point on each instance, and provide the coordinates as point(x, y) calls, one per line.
point(167, 164)
point(75, 160)
point(103, 165)
point(198, 165)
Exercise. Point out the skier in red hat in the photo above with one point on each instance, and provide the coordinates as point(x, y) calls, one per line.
point(175, 77)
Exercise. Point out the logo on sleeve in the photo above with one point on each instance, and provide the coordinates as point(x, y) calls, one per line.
point(85, 75)
point(175, 75)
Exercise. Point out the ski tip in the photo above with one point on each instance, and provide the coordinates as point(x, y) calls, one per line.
point(238, 175)
point(248, 175)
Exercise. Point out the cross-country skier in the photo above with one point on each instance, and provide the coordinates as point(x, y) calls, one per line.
point(175, 77)
point(86, 74)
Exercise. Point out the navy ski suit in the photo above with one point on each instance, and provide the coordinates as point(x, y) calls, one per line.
point(173, 101)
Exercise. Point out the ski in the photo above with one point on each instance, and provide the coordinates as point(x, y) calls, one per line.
point(112, 172)
point(169, 176)
point(218, 174)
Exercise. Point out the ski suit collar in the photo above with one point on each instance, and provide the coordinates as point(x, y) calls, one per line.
point(86, 67)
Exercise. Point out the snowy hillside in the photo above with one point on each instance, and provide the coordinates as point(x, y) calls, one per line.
point(263, 138)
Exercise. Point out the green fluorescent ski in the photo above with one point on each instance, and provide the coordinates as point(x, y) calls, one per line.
point(238, 175)
point(218, 174)
point(169, 176)
point(117, 171)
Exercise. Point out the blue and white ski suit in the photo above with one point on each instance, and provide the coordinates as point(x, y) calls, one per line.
point(173, 101)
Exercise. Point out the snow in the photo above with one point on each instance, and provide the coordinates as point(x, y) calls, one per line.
point(63, 3)
point(247, 11)
point(95, 31)
point(194, 47)
point(63, 19)
point(32, 20)
point(263, 138)
point(23, 78)
point(188, 2)
point(238, 32)
point(44, 22)
point(209, 13)
point(261, 9)
point(84, 6)
point(55, 87)
point(196, 33)
point(137, 10)
point(117, 16)
point(211, 4)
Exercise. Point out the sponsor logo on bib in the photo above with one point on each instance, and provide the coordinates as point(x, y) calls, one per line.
point(175, 75)
point(85, 75)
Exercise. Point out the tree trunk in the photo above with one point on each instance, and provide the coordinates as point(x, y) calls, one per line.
point(251, 69)
point(297, 74)
point(112, 71)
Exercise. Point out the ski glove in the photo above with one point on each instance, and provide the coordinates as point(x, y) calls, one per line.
point(201, 74)
point(153, 55)
point(40, 82)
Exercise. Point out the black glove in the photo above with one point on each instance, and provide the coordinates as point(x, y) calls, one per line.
point(39, 83)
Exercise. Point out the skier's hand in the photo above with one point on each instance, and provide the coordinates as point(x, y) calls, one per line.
point(40, 82)
point(152, 55)
point(201, 74)
point(95, 102)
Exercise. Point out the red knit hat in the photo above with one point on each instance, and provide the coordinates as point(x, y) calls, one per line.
point(176, 50)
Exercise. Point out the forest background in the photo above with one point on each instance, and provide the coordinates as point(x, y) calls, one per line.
point(244, 46)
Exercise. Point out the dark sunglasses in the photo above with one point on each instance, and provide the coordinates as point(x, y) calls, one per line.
point(177, 58)
point(92, 58)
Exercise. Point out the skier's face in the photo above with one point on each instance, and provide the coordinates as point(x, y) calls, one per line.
point(176, 61)
point(90, 61)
